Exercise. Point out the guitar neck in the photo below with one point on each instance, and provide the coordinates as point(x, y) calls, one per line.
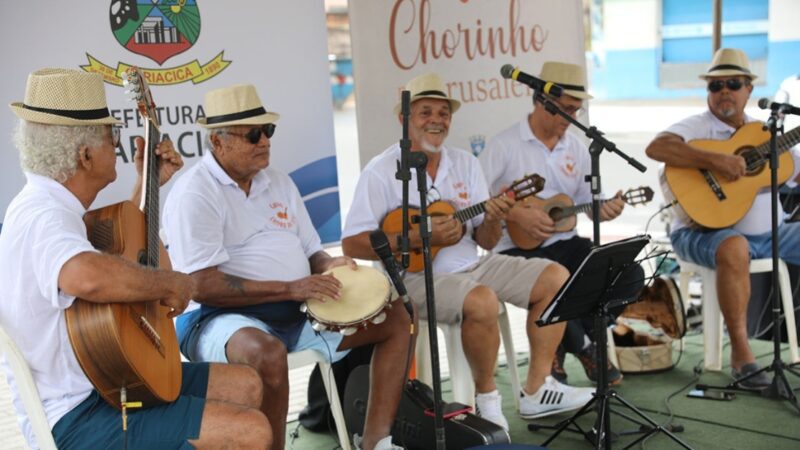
point(150, 200)
point(469, 212)
point(577, 209)
point(785, 142)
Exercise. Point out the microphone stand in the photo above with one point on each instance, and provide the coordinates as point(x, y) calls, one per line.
point(404, 175)
point(780, 387)
point(419, 161)
point(600, 436)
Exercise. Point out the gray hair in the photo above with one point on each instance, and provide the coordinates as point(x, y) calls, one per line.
point(52, 150)
point(221, 131)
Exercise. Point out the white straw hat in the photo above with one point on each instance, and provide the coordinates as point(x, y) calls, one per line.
point(235, 105)
point(729, 62)
point(429, 85)
point(571, 77)
point(64, 97)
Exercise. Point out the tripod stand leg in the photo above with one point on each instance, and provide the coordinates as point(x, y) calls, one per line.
point(570, 421)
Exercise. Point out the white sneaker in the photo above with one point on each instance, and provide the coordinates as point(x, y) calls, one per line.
point(490, 407)
point(383, 444)
point(552, 398)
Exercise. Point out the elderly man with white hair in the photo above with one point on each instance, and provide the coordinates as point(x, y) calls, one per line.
point(67, 141)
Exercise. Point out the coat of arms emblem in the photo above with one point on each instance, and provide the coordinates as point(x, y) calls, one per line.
point(157, 29)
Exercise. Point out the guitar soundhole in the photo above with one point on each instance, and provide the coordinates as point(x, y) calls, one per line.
point(142, 257)
point(556, 214)
point(753, 159)
point(102, 236)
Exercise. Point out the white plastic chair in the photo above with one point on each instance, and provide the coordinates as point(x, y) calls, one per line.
point(712, 316)
point(27, 392)
point(308, 357)
point(460, 373)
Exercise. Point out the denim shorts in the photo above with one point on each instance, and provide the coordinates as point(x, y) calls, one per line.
point(94, 424)
point(700, 247)
point(216, 333)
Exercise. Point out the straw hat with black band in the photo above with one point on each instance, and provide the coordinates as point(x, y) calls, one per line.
point(235, 105)
point(429, 85)
point(571, 77)
point(64, 97)
point(729, 62)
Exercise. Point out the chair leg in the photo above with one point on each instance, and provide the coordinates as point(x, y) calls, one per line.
point(423, 355)
point(460, 372)
point(785, 285)
point(612, 348)
point(511, 356)
point(712, 322)
point(336, 404)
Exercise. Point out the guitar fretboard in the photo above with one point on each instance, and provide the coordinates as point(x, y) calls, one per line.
point(784, 143)
point(151, 190)
point(469, 212)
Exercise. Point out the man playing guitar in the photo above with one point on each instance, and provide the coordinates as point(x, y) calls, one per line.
point(540, 143)
point(729, 250)
point(467, 287)
point(67, 141)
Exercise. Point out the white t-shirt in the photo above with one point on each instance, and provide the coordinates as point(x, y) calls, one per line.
point(707, 126)
point(459, 180)
point(43, 228)
point(516, 152)
point(209, 221)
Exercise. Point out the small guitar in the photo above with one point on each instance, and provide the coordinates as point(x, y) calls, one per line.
point(393, 222)
point(712, 201)
point(130, 345)
point(563, 211)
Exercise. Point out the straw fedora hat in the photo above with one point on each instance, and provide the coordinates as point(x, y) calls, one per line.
point(235, 105)
point(729, 62)
point(571, 77)
point(429, 85)
point(64, 97)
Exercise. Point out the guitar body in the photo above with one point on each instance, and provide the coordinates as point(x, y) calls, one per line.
point(698, 201)
point(112, 343)
point(553, 206)
point(393, 223)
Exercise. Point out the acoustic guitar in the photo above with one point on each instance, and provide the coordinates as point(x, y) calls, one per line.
point(393, 222)
point(130, 345)
point(708, 199)
point(562, 209)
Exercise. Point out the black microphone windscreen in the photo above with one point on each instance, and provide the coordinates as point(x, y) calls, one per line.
point(507, 70)
point(380, 243)
point(763, 103)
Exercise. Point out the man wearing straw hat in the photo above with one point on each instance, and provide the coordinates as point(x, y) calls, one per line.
point(67, 142)
point(729, 250)
point(241, 229)
point(539, 143)
point(467, 287)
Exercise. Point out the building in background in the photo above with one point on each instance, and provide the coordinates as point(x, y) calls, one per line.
point(656, 48)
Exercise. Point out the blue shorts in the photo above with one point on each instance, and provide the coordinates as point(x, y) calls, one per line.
point(216, 333)
point(700, 247)
point(95, 424)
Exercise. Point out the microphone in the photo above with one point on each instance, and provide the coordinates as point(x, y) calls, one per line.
point(380, 245)
point(783, 108)
point(537, 84)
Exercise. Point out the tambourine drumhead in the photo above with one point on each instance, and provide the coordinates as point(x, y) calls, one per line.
point(365, 292)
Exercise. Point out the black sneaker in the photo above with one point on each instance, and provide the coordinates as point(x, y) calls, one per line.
point(557, 371)
point(588, 358)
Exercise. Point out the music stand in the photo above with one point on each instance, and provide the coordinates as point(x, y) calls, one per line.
point(586, 293)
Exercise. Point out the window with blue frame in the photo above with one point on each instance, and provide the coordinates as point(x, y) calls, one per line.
point(687, 28)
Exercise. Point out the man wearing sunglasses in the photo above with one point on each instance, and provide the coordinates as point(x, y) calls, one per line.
point(240, 228)
point(539, 143)
point(729, 250)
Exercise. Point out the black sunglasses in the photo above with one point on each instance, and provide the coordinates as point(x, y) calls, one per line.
point(733, 84)
point(254, 135)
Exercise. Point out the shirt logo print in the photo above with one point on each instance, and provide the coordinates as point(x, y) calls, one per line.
point(280, 217)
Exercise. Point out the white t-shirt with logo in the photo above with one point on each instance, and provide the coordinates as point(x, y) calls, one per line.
point(43, 228)
point(459, 180)
point(707, 126)
point(209, 221)
point(516, 152)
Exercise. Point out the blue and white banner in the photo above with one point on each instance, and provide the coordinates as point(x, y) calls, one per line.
point(186, 48)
